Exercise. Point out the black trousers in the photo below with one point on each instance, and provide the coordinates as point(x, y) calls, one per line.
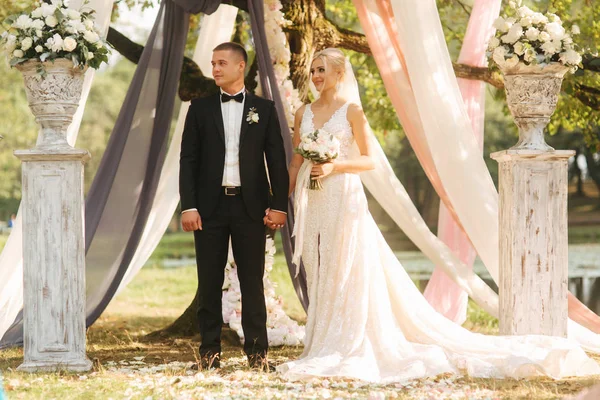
point(231, 219)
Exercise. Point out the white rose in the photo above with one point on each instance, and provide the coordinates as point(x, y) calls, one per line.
point(11, 43)
point(75, 26)
point(554, 18)
point(519, 48)
point(512, 62)
point(555, 30)
point(498, 55)
point(501, 24)
point(538, 18)
point(525, 21)
point(89, 55)
point(39, 49)
point(514, 33)
point(568, 41)
point(530, 55)
point(494, 42)
point(55, 43)
point(524, 12)
point(39, 33)
point(532, 34)
point(37, 13)
point(18, 53)
point(47, 9)
point(549, 48)
point(23, 22)
point(69, 44)
point(89, 24)
point(73, 14)
point(545, 37)
point(26, 44)
point(51, 21)
point(575, 30)
point(38, 24)
point(91, 36)
point(570, 57)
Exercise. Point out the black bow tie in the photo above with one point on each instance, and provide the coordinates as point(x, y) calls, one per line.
point(238, 97)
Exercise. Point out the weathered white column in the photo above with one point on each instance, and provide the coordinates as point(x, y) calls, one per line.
point(533, 209)
point(533, 242)
point(53, 226)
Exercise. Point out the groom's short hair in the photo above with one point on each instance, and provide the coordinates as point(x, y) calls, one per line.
point(235, 47)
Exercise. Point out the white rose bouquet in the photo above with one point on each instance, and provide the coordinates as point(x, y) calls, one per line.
point(52, 31)
point(532, 38)
point(319, 147)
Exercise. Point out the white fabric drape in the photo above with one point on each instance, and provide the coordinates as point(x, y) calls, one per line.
point(214, 29)
point(11, 258)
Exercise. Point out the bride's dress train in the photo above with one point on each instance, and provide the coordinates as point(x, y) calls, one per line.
point(367, 320)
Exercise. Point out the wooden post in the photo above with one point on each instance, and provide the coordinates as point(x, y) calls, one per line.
point(533, 242)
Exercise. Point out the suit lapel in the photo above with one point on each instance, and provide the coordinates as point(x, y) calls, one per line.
point(248, 104)
point(218, 115)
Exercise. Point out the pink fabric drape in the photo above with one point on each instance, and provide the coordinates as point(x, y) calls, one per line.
point(377, 20)
point(442, 292)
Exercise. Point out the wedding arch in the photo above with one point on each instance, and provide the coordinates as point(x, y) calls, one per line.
point(123, 226)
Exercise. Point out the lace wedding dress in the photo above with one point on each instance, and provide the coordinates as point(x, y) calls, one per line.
point(367, 320)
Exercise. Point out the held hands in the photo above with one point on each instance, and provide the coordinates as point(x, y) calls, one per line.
point(322, 170)
point(191, 221)
point(274, 219)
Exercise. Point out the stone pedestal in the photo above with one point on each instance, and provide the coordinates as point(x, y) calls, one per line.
point(53, 224)
point(53, 260)
point(533, 242)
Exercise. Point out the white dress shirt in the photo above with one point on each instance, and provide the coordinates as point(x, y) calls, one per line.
point(232, 112)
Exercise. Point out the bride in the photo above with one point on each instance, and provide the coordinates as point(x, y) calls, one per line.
point(366, 318)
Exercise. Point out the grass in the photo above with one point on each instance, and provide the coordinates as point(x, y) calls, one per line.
point(128, 365)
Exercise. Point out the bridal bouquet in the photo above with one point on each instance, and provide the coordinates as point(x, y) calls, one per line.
point(532, 38)
point(319, 147)
point(52, 31)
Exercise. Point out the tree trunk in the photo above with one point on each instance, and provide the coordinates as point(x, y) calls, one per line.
point(184, 326)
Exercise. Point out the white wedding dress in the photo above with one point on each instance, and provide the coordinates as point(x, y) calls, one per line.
point(367, 320)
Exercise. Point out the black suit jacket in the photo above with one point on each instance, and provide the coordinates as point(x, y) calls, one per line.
point(202, 158)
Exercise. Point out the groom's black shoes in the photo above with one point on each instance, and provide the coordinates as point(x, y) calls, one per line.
point(259, 362)
point(208, 362)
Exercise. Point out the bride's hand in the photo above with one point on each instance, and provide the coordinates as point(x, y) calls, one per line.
point(322, 170)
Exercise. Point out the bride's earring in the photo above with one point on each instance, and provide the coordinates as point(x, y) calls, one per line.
point(337, 86)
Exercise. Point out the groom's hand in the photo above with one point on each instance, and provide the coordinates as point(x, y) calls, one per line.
point(191, 221)
point(275, 219)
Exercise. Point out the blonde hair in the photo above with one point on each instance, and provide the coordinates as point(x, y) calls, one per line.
point(332, 57)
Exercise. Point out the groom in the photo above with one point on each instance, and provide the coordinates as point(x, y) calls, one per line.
point(226, 192)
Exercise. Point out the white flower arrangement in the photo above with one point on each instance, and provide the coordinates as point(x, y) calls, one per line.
point(281, 329)
point(52, 31)
point(532, 38)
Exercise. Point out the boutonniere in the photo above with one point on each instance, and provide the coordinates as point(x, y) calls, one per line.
point(252, 117)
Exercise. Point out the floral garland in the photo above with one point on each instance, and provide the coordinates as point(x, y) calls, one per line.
point(281, 329)
point(281, 56)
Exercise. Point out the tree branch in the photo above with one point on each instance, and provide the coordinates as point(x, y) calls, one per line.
point(479, 74)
